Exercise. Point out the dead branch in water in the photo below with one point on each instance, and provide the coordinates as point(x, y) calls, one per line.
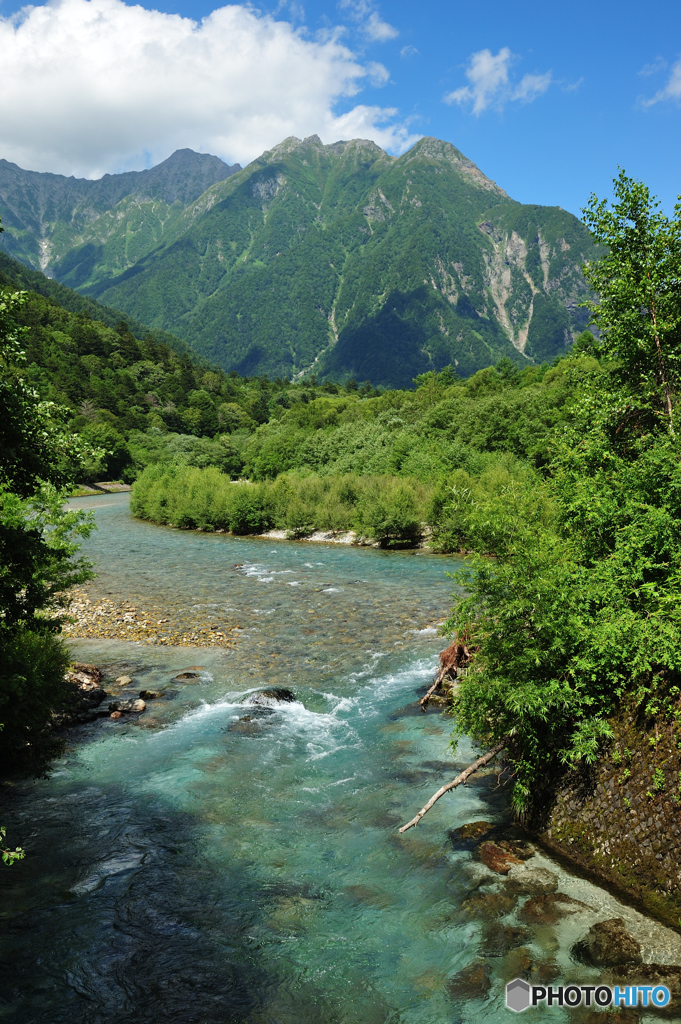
point(452, 659)
point(465, 774)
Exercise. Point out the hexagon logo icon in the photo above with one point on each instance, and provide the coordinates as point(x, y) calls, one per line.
point(517, 995)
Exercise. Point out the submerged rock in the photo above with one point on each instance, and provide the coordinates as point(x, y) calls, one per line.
point(184, 677)
point(500, 938)
point(650, 974)
point(470, 983)
point(123, 680)
point(150, 694)
point(520, 848)
point(550, 908)
point(470, 833)
point(488, 905)
point(608, 944)
point(533, 881)
point(522, 963)
point(497, 858)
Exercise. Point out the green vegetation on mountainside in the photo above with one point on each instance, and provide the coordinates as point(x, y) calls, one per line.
point(76, 227)
point(346, 262)
point(135, 398)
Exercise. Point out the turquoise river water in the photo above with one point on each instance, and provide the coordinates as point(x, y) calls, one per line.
point(198, 865)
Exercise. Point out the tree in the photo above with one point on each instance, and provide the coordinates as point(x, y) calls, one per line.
point(579, 609)
point(638, 286)
point(38, 541)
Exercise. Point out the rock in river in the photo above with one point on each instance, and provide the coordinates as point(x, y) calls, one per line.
point(150, 694)
point(534, 881)
point(608, 944)
point(497, 858)
point(127, 706)
point(279, 694)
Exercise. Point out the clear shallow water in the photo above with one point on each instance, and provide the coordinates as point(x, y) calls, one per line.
point(198, 866)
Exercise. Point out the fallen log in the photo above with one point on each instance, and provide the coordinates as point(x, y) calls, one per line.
point(458, 781)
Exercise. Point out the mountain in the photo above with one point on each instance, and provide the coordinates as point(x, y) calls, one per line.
point(344, 261)
point(68, 226)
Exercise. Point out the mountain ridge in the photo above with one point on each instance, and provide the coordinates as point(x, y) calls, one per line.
point(347, 261)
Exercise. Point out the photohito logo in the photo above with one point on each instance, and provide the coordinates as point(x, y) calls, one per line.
point(520, 995)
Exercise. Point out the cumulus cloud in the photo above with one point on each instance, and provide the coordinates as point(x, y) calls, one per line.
point(671, 91)
point(408, 51)
point(491, 85)
point(90, 86)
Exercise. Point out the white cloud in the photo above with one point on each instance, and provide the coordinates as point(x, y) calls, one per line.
point(490, 82)
point(531, 86)
point(89, 86)
point(671, 91)
point(370, 21)
point(659, 64)
point(378, 30)
point(409, 51)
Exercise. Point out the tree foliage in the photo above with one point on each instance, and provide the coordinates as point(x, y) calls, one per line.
point(38, 543)
point(580, 604)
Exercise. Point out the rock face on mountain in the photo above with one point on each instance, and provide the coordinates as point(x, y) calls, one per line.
point(339, 260)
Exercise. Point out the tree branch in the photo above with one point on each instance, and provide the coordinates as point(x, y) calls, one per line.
point(465, 774)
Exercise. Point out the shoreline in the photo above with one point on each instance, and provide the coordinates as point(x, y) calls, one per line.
point(103, 619)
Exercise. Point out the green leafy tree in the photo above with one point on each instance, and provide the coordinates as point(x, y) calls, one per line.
point(38, 542)
point(580, 605)
point(638, 305)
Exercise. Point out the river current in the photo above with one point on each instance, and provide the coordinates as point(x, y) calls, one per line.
point(216, 862)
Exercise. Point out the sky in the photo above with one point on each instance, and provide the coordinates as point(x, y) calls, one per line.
point(547, 99)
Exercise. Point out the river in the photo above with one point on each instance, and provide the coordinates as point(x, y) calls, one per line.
point(215, 862)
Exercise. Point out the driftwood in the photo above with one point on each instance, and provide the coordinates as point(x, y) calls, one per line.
point(452, 659)
point(459, 780)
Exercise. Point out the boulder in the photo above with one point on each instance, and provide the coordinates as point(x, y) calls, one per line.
point(497, 858)
point(127, 706)
point(608, 944)
point(150, 694)
point(184, 677)
point(279, 694)
point(124, 681)
point(533, 881)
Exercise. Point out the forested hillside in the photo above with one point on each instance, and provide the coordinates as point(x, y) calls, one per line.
point(136, 395)
point(341, 261)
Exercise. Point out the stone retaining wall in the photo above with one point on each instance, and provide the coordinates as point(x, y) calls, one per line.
point(621, 821)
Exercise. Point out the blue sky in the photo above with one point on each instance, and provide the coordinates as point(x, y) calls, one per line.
point(547, 99)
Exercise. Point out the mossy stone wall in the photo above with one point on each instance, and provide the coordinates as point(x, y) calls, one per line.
point(621, 820)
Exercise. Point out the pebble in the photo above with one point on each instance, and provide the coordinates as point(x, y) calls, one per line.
point(104, 619)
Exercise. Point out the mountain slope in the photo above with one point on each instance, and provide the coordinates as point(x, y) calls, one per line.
point(67, 227)
point(344, 261)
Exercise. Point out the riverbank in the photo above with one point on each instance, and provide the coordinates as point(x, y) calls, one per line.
point(104, 619)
